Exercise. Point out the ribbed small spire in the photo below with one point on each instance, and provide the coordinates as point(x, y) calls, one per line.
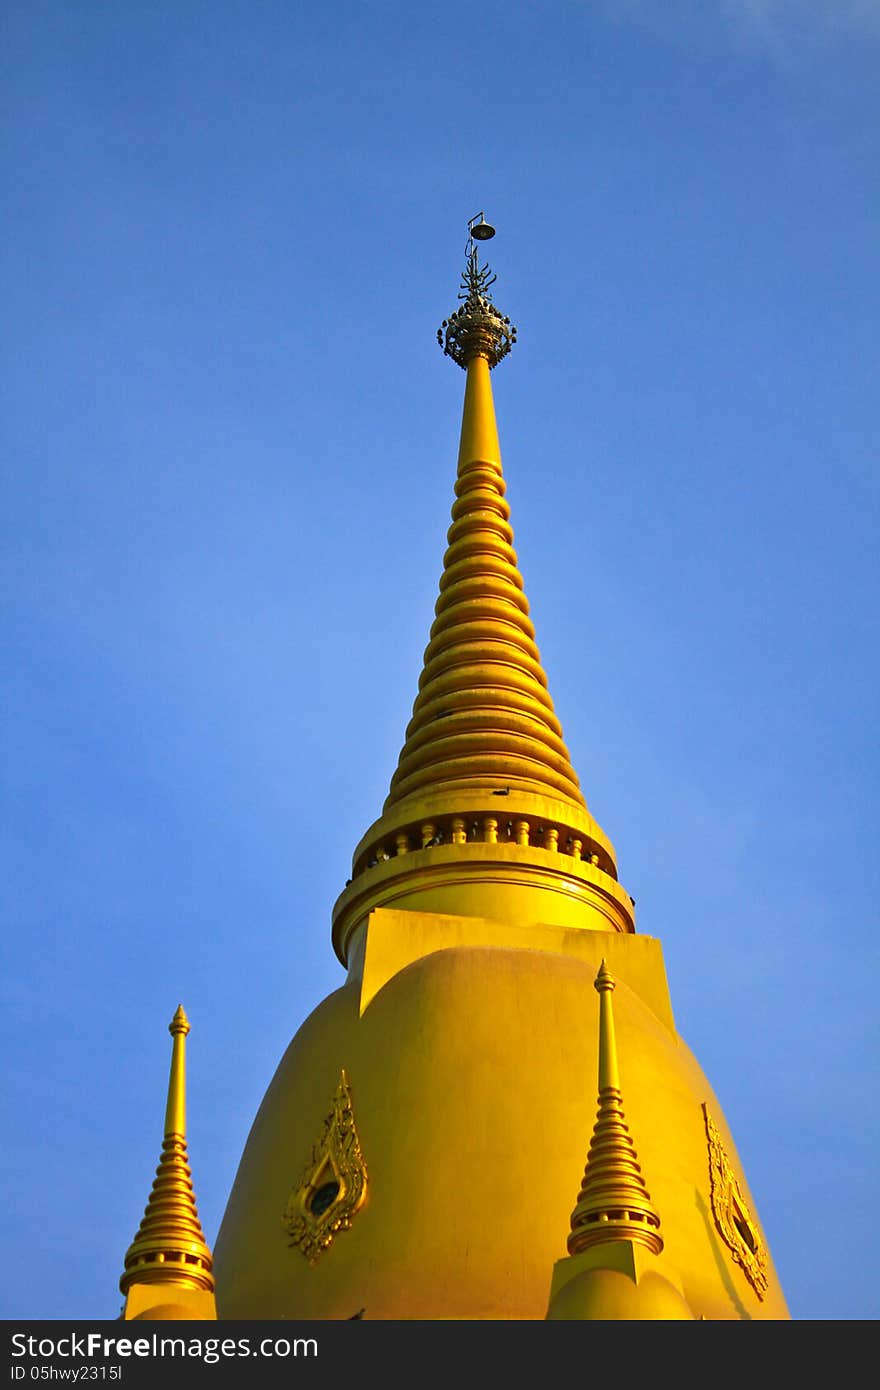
point(170, 1246)
point(613, 1203)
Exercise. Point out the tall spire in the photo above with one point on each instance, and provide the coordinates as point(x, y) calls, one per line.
point(484, 782)
point(170, 1246)
point(613, 1203)
point(483, 717)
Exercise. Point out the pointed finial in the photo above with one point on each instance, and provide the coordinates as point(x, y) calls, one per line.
point(604, 985)
point(613, 1203)
point(477, 328)
point(604, 980)
point(179, 1023)
point(175, 1110)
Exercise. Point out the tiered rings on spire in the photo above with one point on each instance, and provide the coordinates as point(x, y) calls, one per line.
point(483, 716)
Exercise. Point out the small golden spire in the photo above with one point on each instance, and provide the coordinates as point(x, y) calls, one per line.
point(170, 1246)
point(613, 1203)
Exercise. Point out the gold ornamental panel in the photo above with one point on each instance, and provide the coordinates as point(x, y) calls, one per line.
point(732, 1216)
point(333, 1184)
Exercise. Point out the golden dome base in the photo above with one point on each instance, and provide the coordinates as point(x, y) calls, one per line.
point(470, 1051)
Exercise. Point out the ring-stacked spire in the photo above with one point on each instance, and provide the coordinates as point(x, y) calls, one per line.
point(483, 716)
point(483, 760)
point(614, 1202)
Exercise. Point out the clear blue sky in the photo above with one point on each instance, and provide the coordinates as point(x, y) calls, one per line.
point(230, 233)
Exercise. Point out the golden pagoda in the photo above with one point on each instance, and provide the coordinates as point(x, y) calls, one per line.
point(416, 1153)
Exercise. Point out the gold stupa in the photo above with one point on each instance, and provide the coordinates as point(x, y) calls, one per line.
point(418, 1150)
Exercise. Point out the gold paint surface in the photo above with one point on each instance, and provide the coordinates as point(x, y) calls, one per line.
point(396, 938)
point(619, 1281)
point(476, 1068)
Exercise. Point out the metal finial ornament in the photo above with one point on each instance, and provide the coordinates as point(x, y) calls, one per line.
point(481, 230)
point(477, 328)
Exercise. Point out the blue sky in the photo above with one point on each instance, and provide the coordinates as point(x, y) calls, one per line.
point(231, 231)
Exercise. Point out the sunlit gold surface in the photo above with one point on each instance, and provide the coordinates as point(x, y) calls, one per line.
point(473, 1066)
point(168, 1264)
point(633, 1293)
